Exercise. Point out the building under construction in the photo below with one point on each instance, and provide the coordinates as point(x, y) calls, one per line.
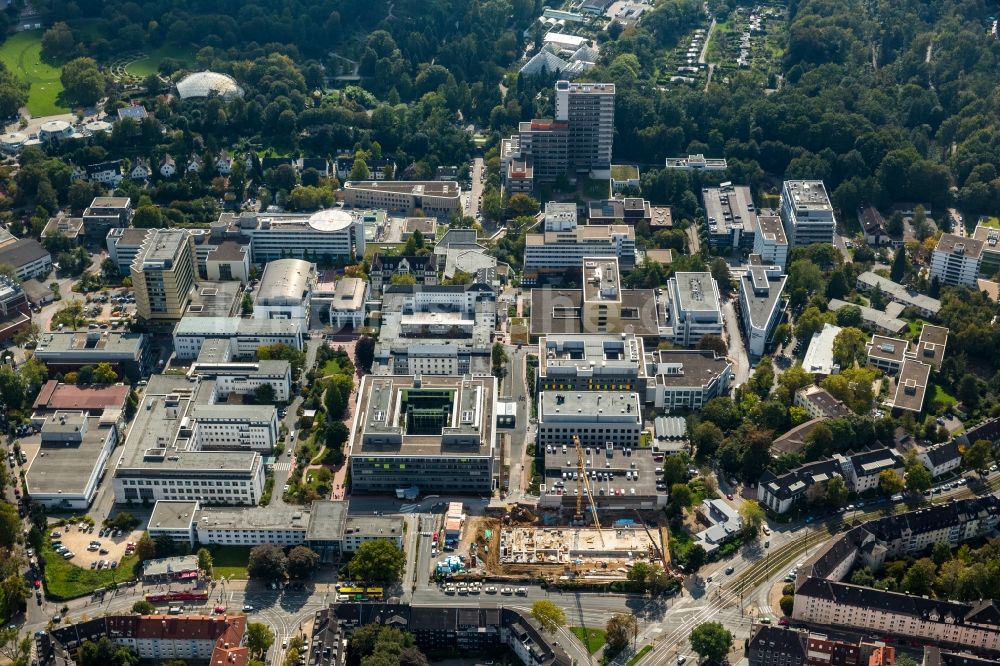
point(564, 545)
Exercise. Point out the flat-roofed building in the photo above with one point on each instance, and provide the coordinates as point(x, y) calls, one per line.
point(887, 354)
point(591, 362)
point(909, 298)
point(686, 379)
point(28, 257)
point(105, 213)
point(770, 242)
point(334, 235)
point(956, 260)
point(163, 275)
point(285, 290)
point(64, 225)
point(565, 249)
point(240, 377)
point(128, 353)
point(697, 162)
point(124, 244)
point(347, 308)
point(879, 321)
point(819, 403)
point(190, 333)
point(932, 345)
point(629, 210)
point(94, 400)
point(911, 386)
point(819, 354)
point(74, 452)
point(990, 238)
point(228, 261)
point(15, 307)
point(694, 310)
point(438, 198)
point(806, 212)
point(434, 432)
point(761, 305)
point(730, 217)
point(596, 417)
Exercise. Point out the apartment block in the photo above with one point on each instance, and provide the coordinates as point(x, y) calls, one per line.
point(990, 238)
point(104, 214)
point(907, 297)
point(819, 403)
point(806, 212)
point(686, 379)
point(956, 260)
point(163, 275)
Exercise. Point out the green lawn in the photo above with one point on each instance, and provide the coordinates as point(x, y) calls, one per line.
point(593, 639)
point(640, 654)
point(22, 54)
point(150, 62)
point(64, 580)
point(230, 561)
point(941, 400)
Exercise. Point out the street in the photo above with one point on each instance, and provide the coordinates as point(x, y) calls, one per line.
point(737, 351)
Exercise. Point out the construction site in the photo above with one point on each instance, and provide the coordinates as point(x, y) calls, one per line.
point(573, 545)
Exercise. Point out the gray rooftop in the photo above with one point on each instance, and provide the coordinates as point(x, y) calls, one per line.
point(388, 527)
point(168, 565)
point(284, 282)
point(273, 516)
point(65, 463)
point(231, 326)
point(900, 292)
point(960, 245)
point(327, 520)
point(172, 514)
point(808, 194)
point(611, 406)
point(161, 249)
point(770, 226)
point(697, 292)
point(761, 291)
point(584, 351)
point(98, 344)
point(683, 367)
point(728, 208)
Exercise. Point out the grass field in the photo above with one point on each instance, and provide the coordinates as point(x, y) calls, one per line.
point(150, 63)
point(230, 561)
point(592, 639)
point(64, 580)
point(639, 655)
point(22, 54)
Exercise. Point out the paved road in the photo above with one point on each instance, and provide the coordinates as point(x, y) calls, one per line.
point(478, 171)
point(516, 390)
point(737, 351)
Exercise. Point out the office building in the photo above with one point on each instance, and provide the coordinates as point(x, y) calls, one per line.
point(285, 290)
point(123, 245)
point(182, 446)
point(434, 432)
point(163, 275)
point(694, 310)
point(15, 309)
point(330, 236)
point(956, 260)
point(63, 225)
point(686, 379)
point(562, 248)
point(441, 199)
point(989, 266)
point(806, 212)
point(761, 306)
point(629, 210)
point(190, 334)
point(596, 417)
point(29, 259)
point(730, 217)
point(770, 242)
point(104, 214)
point(697, 162)
point(819, 354)
point(439, 330)
point(591, 362)
point(215, 362)
point(129, 354)
point(228, 261)
point(74, 451)
point(93, 399)
point(924, 305)
point(348, 303)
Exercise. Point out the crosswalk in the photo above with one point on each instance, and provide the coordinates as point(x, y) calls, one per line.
point(409, 508)
point(282, 466)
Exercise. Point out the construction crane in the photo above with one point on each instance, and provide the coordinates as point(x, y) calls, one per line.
point(585, 489)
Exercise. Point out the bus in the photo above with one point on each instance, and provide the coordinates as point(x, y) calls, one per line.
point(359, 593)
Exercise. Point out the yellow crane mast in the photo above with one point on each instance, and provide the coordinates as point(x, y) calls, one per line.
point(585, 482)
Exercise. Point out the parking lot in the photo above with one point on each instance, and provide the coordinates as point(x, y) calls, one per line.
point(78, 541)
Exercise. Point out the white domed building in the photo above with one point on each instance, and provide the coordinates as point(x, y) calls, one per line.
point(55, 130)
point(206, 83)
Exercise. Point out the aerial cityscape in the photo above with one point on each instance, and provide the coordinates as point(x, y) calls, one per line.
point(596, 332)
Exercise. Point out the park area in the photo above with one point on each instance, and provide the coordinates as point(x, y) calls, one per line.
point(149, 62)
point(22, 54)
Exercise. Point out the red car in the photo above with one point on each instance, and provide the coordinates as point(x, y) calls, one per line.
point(38, 583)
point(729, 496)
point(783, 622)
point(220, 609)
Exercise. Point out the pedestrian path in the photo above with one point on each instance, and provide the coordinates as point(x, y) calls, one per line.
point(282, 466)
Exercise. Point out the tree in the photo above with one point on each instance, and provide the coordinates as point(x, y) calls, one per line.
point(918, 479)
point(359, 170)
point(713, 343)
point(782, 335)
point(205, 560)
point(849, 346)
point(13, 92)
point(267, 562)
point(620, 630)
point(548, 615)
point(675, 469)
point(143, 607)
point(711, 641)
point(920, 577)
point(900, 265)
point(148, 217)
point(753, 518)
point(522, 204)
point(364, 353)
point(403, 279)
point(57, 42)
point(14, 647)
point(696, 558)
point(10, 525)
point(808, 323)
point(680, 497)
point(83, 81)
point(787, 604)
point(105, 374)
point(492, 207)
point(890, 482)
point(13, 593)
point(723, 277)
point(895, 225)
point(302, 561)
point(124, 521)
point(850, 315)
point(977, 456)
point(941, 552)
point(836, 492)
point(377, 561)
point(246, 305)
point(499, 358)
point(706, 439)
point(264, 394)
point(259, 638)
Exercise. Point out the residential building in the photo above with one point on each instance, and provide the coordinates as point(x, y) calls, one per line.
point(436, 330)
point(591, 362)
point(730, 217)
point(596, 417)
point(909, 298)
point(106, 173)
point(770, 242)
point(140, 171)
point(887, 354)
point(628, 210)
point(941, 459)
point(64, 225)
point(784, 646)
point(880, 321)
point(332, 236)
point(348, 306)
point(381, 168)
point(956, 260)
point(761, 306)
point(104, 214)
point(806, 212)
point(15, 308)
point(931, 346)
point(724, 523)
point(181, 446)
point(28, 257)
point(933, 656)
point(434, 198)
point(911, 386)
point(228, 261)
point(686, 379)
point(777, 646)
point(695, 310)
point(697, 162)
point(168, 166)
point(819, 404)
point(990, 238)
point(794, 440)
point(423, 270)
point(163, 275)
point(129, 354)
point(555, 251)
point(819, 355)
point(874, 226)
point(285, 290)
point(74, 451)
point(190, 334)
point(418, 430)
